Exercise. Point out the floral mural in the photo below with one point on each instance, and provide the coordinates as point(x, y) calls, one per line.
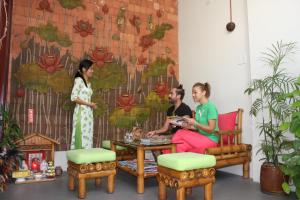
point(133, 45)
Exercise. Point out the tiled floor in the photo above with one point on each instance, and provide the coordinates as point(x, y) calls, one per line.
point(227, 187)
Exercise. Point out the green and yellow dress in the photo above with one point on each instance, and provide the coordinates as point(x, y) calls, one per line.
point(82, 132)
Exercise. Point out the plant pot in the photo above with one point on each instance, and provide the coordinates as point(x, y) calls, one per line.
point(271, 178)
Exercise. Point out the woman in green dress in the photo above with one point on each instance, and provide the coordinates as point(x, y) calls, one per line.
point(82, 133)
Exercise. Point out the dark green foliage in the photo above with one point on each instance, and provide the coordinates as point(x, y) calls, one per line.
point(10, 157)
point(291, 159)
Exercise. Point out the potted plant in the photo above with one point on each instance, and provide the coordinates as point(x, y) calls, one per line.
point(291, 159)
point(270, 108)
point(10, 157)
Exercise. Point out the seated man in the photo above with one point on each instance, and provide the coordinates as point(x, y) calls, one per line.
point(177, 109)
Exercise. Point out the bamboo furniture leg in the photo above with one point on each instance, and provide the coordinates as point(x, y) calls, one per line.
point(162, 191)
point(180, 193)
point(71, 182)
point(140, 170)
point(208, 191)
point(81, 188)
point(111, 183)
point(97, 182)
point(246, 167)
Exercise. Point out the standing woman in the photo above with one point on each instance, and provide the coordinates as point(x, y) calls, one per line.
point(82, 133)
point(199, 133)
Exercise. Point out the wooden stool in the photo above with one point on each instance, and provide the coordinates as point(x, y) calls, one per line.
point(91, 163)
point(184, 171)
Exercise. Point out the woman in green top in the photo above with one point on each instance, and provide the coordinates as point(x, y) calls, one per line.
point(199, 133)
point(82, 133)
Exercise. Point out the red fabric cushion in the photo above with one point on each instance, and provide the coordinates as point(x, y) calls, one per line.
point(227, 122)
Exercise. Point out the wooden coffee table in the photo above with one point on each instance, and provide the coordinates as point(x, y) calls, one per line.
point(141, 148)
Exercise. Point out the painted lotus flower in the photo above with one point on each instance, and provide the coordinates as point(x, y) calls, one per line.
point(142, 60)
point(159, 13)
point(84, 28)
point(161, 89)
point(105, 9)
point(101, 55)
point(136, 22)
point(126, 102)
point(45, 5)
point(172, 71)
point(146, 41)
point(50, 63)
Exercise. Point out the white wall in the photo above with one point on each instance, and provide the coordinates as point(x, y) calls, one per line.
point(207, 52)
point(230, 60)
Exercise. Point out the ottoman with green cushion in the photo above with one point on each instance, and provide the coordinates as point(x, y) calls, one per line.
point(185, 170)
point(91, 163)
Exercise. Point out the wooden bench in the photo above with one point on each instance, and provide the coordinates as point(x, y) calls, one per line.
point(234, 152)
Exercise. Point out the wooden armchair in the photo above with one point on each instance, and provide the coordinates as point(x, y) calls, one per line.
point(231, 150)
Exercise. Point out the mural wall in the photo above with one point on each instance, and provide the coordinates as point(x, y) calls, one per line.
point(135, 49)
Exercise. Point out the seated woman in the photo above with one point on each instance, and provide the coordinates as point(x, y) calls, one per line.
point(199, 133)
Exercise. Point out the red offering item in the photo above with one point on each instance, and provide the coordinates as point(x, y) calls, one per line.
point(35, 165)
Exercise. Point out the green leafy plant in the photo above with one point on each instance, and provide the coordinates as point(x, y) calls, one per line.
point(291, 159)
point(10, 157)
point(271, 103)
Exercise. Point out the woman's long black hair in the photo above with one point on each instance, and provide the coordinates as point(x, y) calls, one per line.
point(86, 64)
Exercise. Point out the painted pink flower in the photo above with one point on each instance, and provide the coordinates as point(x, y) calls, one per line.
point(45, 5)
point(142, 60)
point(84, 28)
point(172, 71)
point(100, 56)
point(105, 9)
point(146, 41)
point(126, 102)
point(159, 13)
point(136, 22)
point(50, 63)
point(161, 89)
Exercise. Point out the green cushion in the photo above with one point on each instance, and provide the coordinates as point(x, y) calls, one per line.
point(186, 161)
point(106, 145)
point(94, 155)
